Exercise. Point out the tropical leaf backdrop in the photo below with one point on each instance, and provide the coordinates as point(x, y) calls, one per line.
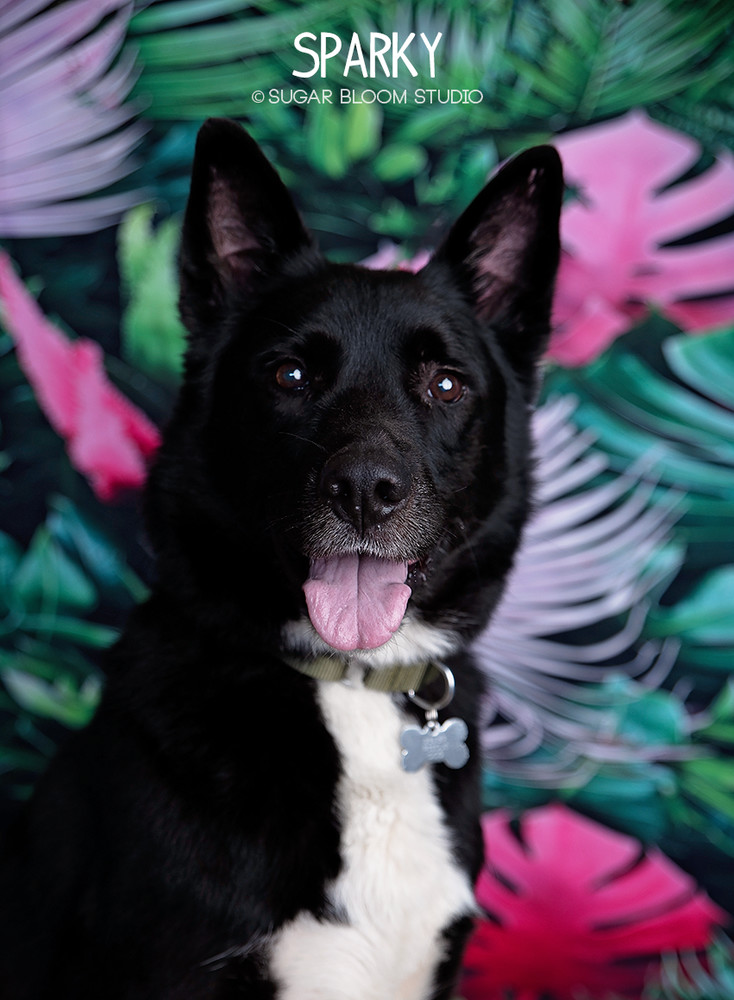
point(610, 705)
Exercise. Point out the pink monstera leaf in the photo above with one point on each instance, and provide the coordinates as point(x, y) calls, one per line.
point(108, 439)
point(575, 909)
point(616, 236)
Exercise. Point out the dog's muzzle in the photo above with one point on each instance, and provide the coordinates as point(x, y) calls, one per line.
point(364, 486)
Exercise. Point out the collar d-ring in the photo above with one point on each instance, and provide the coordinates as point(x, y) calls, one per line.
point(444, 698)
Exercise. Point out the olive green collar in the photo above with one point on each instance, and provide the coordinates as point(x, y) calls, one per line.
point(400, 678)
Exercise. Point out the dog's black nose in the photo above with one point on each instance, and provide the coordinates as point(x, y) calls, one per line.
point(364, 486)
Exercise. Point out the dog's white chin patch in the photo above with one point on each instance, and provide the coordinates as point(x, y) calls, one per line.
point(356, 601)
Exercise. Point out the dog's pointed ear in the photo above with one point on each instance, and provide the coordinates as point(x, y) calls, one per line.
point(240, 222)
point(504, 251)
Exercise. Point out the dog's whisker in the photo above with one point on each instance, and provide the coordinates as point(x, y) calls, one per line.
point(299, 437)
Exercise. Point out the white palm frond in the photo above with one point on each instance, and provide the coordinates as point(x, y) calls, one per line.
point(585, 567)
point(67, 131)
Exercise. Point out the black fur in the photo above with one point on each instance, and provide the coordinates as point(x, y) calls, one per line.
point(197, 813)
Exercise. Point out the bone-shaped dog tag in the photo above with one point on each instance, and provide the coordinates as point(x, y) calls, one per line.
point(435, 744)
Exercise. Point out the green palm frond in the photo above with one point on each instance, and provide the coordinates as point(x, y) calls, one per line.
point(704, 802)
point(673, 409)
point(206, 58)
point(709, 119)
point(573, 62)
point(57, 599)
point(688, 977)
point(539, 68)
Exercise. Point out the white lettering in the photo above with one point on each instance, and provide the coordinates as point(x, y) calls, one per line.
point(381, 47)
point(379, 54)
point(432, 50)
point(325, 54)
point(355, 56)
point(298, 43)
point(399, 54)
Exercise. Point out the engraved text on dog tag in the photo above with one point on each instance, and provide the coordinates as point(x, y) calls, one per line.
point(435, 744)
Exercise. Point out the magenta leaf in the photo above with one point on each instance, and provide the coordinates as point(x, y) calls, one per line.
point(575, 909)
point(617, 260)
point(109, 440)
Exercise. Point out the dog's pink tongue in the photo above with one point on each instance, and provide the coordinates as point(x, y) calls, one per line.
point(356, 602)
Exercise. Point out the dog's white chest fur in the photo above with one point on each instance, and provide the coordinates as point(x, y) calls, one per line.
point(399, 887)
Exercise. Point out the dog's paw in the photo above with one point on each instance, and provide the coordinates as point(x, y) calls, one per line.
point(445, 744)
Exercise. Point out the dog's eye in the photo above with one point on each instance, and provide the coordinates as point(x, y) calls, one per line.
point(445, 387)
point(291, 375)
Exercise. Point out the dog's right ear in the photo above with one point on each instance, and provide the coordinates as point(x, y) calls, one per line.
point(240, 222)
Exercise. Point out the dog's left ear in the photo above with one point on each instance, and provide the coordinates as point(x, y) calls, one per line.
point(504, 251)
point(240, 222)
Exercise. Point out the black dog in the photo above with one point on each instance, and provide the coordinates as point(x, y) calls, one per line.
point(335, 507)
